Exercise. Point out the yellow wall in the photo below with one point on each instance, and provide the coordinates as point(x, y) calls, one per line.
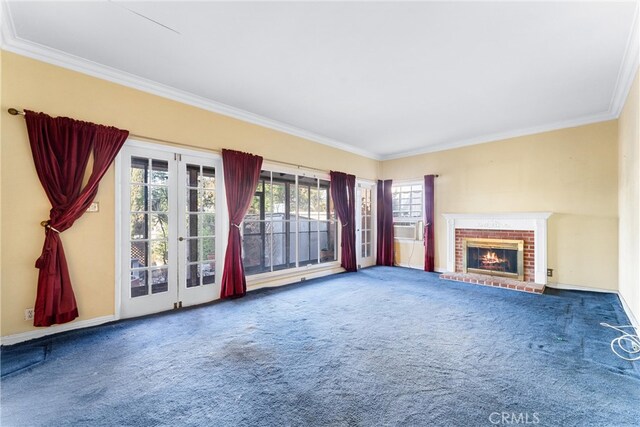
point(90, 243)
point(570, 172)
point(2, 116)
point(629, 200)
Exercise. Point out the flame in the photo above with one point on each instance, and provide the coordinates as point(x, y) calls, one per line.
point(491, 258)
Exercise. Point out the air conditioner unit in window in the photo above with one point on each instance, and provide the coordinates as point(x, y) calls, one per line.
point(408, 230)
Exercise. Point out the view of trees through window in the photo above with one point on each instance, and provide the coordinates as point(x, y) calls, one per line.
point(290, 223)
point(149, 225)
point(200, 212)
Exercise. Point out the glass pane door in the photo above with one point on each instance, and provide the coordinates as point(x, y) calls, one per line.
point(365, 234)
point(168, 229)
point(198, 230)
point(148, 262)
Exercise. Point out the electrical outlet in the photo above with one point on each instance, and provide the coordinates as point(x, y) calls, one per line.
point(28, 314)
point(549, 272)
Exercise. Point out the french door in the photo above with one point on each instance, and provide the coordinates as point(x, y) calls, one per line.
point(168, 228)
point(365, 222)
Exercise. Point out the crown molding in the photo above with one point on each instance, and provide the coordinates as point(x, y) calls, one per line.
point(628, 68)
point(494, 137)
point(12, 43)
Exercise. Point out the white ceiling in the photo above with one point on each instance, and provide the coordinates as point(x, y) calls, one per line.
point(384, 79)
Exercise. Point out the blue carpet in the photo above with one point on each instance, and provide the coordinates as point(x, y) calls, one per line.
point(17, 358)
point(384, 346)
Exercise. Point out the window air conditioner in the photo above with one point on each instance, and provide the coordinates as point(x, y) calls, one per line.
point(409, 230)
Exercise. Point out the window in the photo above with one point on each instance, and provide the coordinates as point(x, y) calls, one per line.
point(407, 203)
point(366, 231)
point(149, 225)
point(290, 223)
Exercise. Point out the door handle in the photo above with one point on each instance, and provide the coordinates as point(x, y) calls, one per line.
point(180, 239)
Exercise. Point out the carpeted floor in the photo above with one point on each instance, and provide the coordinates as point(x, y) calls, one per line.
point(384, 346)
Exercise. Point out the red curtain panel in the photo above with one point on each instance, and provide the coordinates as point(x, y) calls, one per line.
point(343, 194)
point(61, 148)
point(384, 220)
point(241, 175)
point(429, 208)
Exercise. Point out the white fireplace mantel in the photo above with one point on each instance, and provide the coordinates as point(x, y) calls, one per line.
point(528, 221)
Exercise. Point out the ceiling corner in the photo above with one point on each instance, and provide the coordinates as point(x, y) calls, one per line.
point(628, 68)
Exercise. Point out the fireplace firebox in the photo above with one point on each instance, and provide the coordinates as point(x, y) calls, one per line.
point(496, 257)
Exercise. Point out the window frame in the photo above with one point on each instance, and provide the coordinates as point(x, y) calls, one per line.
point(410, 220)
point(300, 266)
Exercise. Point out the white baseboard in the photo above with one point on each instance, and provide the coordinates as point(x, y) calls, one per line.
point(634, 322)
point(568, 287)
point(415, 267)
point(289, 279)
point(39, 333)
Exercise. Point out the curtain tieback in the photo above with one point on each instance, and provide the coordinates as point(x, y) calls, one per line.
point(46, 224)
point(345, 224)
point(235, 225)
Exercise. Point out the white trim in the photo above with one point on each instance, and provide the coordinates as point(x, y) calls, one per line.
point(366, 182)
point(288, 279)
point(133, 142)
point(499, 136)
point(168, 152)
point(626, 75)
point(399, 182)
point(625, 307)
point(628, 68)
point(293, 273)
point(12, 43)
point(55, 329)
point(413, 267)
point(294, 170)
point(414, 220)
point(634, 321)
point(532, 221)
point(568, 287)
point(118, 228)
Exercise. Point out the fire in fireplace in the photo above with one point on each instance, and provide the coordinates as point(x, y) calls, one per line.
point(496, 257)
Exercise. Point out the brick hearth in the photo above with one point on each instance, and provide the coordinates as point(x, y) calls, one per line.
point(498, 282)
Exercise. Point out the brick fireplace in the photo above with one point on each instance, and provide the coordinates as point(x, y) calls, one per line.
point(529, 230)
point(524, 235)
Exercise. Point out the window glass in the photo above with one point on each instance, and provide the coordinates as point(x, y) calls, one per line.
point(407, 203)
point(290, 223)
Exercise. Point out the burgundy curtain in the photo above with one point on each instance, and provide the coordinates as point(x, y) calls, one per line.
point(384, 247)
point(343, 194)
point(429, 198)
point(241, 175)
point(61, 148)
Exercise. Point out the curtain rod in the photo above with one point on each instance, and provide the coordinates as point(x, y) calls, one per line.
point(15, 112)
